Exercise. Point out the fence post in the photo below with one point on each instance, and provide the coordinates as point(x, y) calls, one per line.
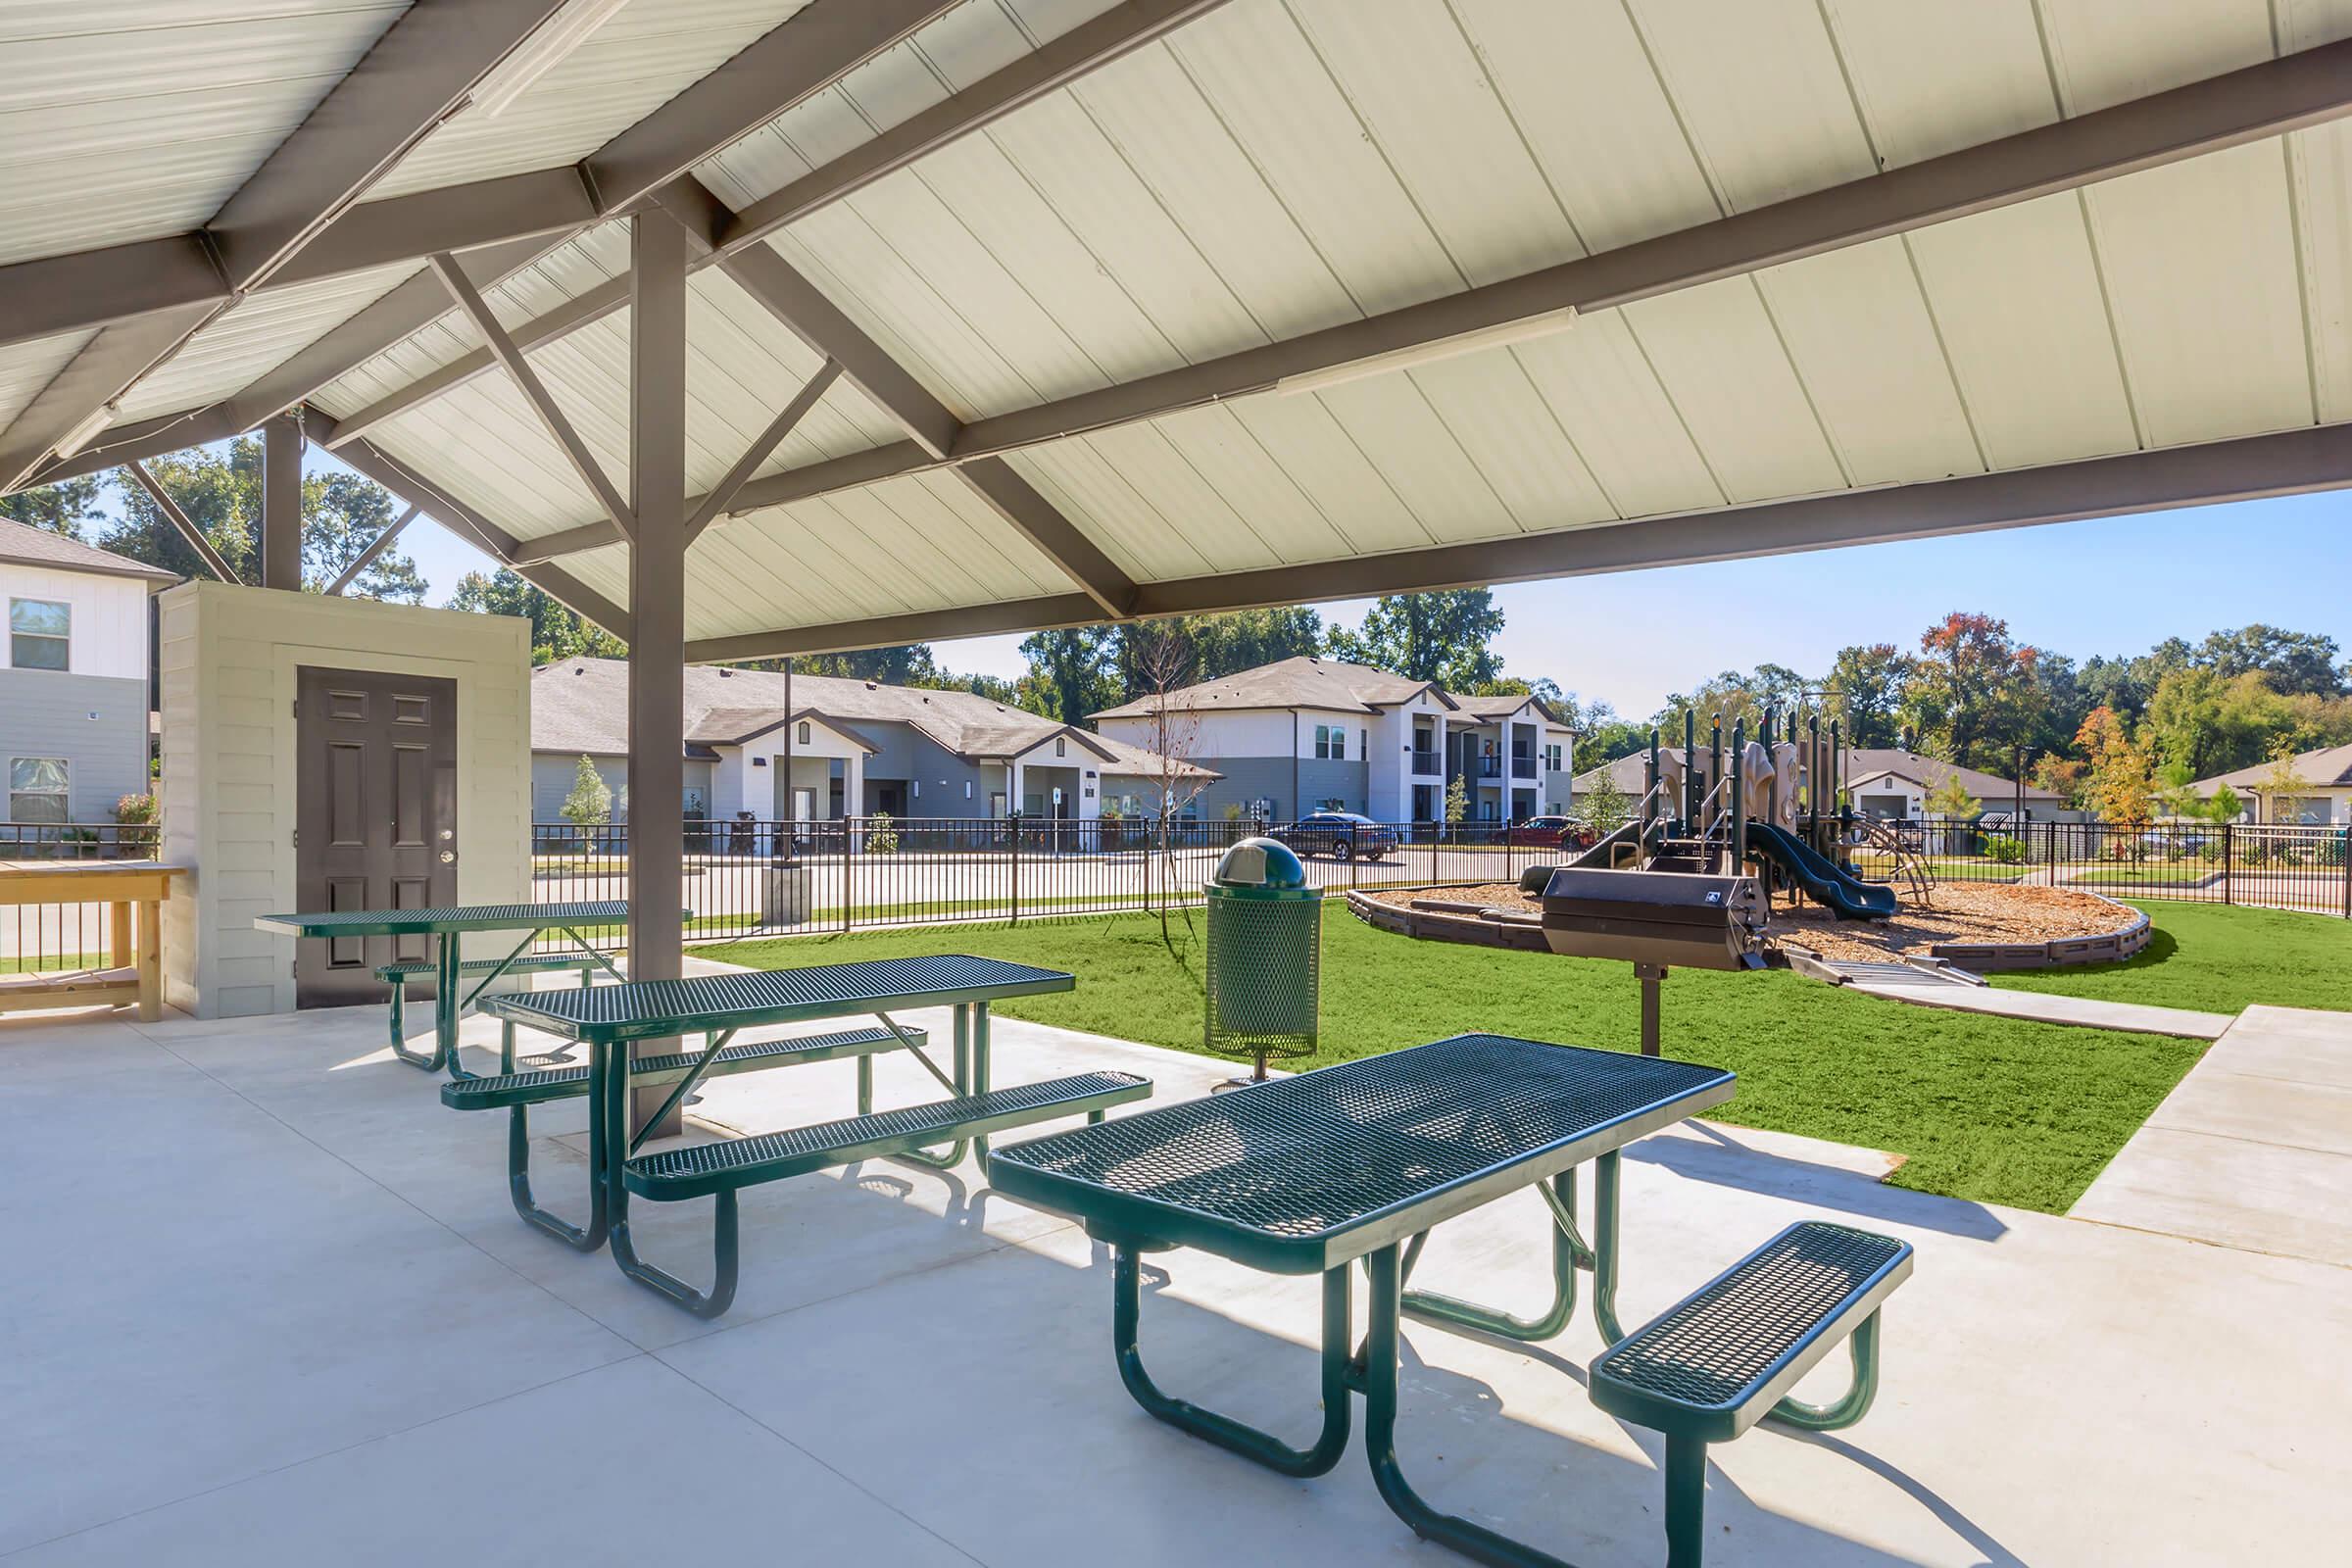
point(2343, 850)
point(1015, 819)
point(849, 876)
point(2228, 862)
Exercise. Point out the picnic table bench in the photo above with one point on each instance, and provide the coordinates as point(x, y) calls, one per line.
point(610, 1019)
point(1358, 1161)
point(447, 928)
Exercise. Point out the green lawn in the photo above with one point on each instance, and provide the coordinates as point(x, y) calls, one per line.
point(2218, 958)
point(54, 963)
point(1983, 1108)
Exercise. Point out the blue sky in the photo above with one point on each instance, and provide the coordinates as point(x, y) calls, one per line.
point(2109, 586)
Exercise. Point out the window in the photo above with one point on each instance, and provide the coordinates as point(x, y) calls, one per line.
point(1363, 746)
point(1331, 743)
point(1062, 748)
point(802, 735)
point(36, 789)
point(1551, 758)
point(1335, 803)
point(39, 635)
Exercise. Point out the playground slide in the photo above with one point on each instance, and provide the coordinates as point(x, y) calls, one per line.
point(1820, 878)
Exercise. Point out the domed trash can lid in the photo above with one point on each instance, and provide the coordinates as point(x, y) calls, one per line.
point(1264, 868)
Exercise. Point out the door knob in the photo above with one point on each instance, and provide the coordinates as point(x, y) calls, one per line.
point(448, 857)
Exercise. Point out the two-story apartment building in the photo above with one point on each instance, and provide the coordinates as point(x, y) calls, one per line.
point(72, 677)
point(819, 748)
point(1309, 734)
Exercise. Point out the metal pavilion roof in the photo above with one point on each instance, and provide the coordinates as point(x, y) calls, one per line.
point(1837, 273)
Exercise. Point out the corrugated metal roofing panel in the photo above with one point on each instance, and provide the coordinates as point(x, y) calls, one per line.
point(2105, 52)
point(1426, 104)
point(1758, 85)
point(1515, 440)
point(1931, 79)
point(124, 124)
point(1720, 359)
point(1858, 328)
point(259, 335)
point(1091, 493)
point(1607, 398)
point(1581, 88)
point(1266, 82)
point(1317, 453)
point(27, 367)
point(2037, 366)
point(2201, 273)
point(564, 274)
point(1391, 418)
point(2320, 173)
point(650, 52)
point(483, 442)
point(742, 367)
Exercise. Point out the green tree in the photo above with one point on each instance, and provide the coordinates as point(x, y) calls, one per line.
point(2295, 660)
point(556, 631)
point(1070, 673)
point(341, 515)
point(221, 494)
point(61, 507)
point(2118, 786)
point(1605, 806)
point(2224, 806)
point(1738, 697)
point(1609, 736)
point(1952, 799)
point(1446, 637)
point(2207, 723)
point(590, 803)
point(1457, 798)
point(1866, 684)
point(1975, 695)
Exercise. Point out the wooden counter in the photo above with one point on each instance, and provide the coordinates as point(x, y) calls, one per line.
point(134, 946)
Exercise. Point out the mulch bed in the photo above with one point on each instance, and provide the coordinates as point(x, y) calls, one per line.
point(1961, 912)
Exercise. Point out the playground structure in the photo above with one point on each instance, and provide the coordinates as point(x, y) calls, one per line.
point(1774, 801)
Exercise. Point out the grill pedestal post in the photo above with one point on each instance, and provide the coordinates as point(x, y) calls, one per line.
point(1651, 975)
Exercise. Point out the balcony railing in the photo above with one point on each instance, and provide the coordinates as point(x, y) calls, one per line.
point(1427, 760)
point(1523, 767)
point(1489, 767)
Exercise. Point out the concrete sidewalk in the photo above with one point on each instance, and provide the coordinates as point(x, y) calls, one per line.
point(2253, 1149)
point(2044, 1007)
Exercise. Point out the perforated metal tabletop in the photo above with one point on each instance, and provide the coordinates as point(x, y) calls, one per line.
point(653, 1009)
point(1301, 1174)
point(457, 917)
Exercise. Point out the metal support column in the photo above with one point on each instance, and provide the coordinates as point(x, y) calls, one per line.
point(658, 607)
point(281, 504)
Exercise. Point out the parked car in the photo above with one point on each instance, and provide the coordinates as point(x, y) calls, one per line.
point(1342, 835)
point(1551, 833)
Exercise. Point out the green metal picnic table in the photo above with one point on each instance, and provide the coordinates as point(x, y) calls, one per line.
point(447, 928)
point(611, 1018)
point(1357, 1162)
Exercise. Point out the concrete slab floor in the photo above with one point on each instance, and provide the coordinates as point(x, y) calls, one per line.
point(2252, 1148)
point(285, 1313)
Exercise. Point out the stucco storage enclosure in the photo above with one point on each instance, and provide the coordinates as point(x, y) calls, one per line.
point(230, 657)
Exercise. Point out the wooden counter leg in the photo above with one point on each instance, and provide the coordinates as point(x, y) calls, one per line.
point(150, 962)
point(118, 953)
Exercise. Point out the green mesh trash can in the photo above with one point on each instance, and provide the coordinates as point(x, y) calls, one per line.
point(1264, 946)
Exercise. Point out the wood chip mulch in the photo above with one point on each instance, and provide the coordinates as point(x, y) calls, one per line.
point(1960, 913)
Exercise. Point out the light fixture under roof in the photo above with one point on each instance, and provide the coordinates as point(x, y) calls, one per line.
point(1500, 335)
point(85, 430)
point(546, 48)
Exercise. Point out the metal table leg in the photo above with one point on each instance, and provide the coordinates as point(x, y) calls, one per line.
point(1569, 1252)
point(1379, 1382)
point(445, 1007)
point(609, 1080)
point(1223, 1431)
point(965, 1036)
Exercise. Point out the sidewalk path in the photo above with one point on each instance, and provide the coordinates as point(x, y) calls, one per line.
point(2253, 1149)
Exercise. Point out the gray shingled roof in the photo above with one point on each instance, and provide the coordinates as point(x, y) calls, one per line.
point(2328, 767)
point(25, 545)
point(581, 706)
point(1331, 685)
point(1862, 763)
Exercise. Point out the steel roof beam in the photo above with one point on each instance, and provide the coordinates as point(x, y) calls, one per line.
point(1057, 64)
point(761, 447)
point(95, 376)
point(375, 547)
point(543, 402)
point(493, 541)
point(182, 523)
point(1087, 47)
point(2246, 469)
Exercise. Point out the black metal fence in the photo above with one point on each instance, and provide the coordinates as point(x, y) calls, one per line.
point(2270, 865)
point(770, 878)
point(55, 936)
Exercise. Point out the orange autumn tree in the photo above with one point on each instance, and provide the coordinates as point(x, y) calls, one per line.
point(2120, 785)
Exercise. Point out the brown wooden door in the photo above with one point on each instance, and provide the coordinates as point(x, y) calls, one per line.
point(375, 810)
